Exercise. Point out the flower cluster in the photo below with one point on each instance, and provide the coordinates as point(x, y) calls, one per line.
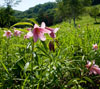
point(93, 68)
point(38, 32)
point(8, 33)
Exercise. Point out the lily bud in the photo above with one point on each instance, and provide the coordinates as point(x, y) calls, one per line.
point(51, 46)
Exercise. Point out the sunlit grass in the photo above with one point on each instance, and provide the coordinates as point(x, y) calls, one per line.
point(62, 69)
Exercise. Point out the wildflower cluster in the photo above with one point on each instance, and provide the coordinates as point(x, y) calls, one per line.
point(38, 32)
point(91, 66)
point(8, 33)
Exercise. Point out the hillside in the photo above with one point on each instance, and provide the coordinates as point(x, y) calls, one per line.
point(56, 63)
point(33, 12)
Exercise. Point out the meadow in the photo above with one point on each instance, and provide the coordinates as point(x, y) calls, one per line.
point(56, 63)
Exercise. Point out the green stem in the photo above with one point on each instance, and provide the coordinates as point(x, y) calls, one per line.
point(7, 48)
point(32, 60)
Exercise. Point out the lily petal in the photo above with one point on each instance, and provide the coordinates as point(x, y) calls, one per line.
point(52, 35)
point(42, 37)
point(44, 30)
point(43, 25)
point(36, 26)
point(35, 35)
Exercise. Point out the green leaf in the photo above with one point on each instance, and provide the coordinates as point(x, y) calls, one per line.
point(18, 66)
point(73, 81)
point(74, 87)
point(4, 67)
point(44, 44)
point(25, 81)
point(45, 52)
point(79, 87)
point(33, 20)
point(89, 80)
point(22, 23)
point(19, 45)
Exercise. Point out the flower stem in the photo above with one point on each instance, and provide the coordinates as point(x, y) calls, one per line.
point(32, 60)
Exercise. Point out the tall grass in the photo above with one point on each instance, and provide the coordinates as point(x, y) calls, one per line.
point(21, 67)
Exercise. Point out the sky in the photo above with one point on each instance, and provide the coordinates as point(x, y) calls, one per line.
point(26, 4)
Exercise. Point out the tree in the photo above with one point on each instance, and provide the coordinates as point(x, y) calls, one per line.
point(94, 12)
point(11, 2)
point(6, 13)
point(42, 12)
point(72, 9)
point(2, 17)
point(46, 13)
point(6, 16)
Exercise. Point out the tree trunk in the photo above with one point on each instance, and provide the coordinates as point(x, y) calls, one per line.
point(95, 20)
point(74, 19)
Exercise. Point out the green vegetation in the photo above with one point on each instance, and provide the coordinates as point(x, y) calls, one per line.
point(7, 18)
point(42, 12)
point(94, 13)
point(50, 12)
point(45, 57)
point(72, 9)
point(62, 69)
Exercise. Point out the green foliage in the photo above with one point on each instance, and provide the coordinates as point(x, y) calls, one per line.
point(6, 13)
point(6, 17)
point(25, 67)
point(33, 21)
point(95, 11)
point(30, 22)
point(42, 12)
point(72, 9)
point(22, 23)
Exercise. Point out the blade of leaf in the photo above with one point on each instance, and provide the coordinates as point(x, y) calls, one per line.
point(33, 21)
point(4, 67)
point(22, 23)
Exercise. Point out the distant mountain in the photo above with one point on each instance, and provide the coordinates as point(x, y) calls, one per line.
point(46, 12)
point(35, 11)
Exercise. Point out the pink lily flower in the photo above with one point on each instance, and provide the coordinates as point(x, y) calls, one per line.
point(93, 68)
point(53, 31)
point(29, 29)
point(28, 35)
point(17, 33)
point(7, 34)
point(95, 47)
point(38, 32)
